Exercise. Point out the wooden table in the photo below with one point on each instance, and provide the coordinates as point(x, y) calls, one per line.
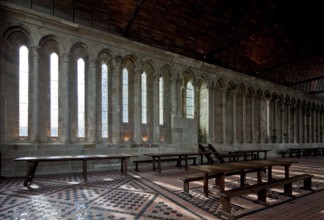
point(157, 157)
point(306, 151)
point(84, 158)
point(220, 170)
point(255, 154)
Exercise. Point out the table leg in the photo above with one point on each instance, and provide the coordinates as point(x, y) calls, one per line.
point(206, 184)
point(159, 164)
point(287, 174)
point(259, 176)
point(124, 166)
point(154, 165)
point(265, 155)
point(269, 174)
point(85, 177)
point(186, 162)
point(242, 178)
point(30, 173)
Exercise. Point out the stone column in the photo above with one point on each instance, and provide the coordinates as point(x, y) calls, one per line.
point(289, 122)
point(156, 109)
point(92, 105)
point(234, 95)
point(116, 99)
point(64, 99)
point(244, 118)
point(34, 93)
point(137, 97)
point(275, 121)
point(253, 119)
point(224, 115)
point(211, 114)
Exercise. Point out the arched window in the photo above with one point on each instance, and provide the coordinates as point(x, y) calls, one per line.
point(23, 90)
point(144, 97)
point(161, 100)
point(54, 74)
point(104, 100)
point(189, 101)
point(125, 95)
point(81, 97)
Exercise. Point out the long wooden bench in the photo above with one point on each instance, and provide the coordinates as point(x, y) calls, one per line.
point(187, 179)
point(261, 190)
point(34, 161)
point(194, 161)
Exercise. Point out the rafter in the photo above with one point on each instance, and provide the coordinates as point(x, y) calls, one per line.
point(131, 20)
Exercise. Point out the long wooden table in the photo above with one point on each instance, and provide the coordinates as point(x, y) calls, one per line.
point(84, 158)
point(220, 170)
point(254, 154)
point(306, 151)
point(157, 157)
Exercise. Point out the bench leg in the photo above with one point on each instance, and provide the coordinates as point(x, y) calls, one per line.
point(186, 186)
point(262, 195)
point(226, 207)
point(136, 167)
point(288, 188)
point(30, 173)
point(308, 184)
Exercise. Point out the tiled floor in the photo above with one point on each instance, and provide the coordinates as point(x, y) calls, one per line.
point(150, 195)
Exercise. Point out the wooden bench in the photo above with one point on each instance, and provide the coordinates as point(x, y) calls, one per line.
point(261, 189)
point(34, 161)
point(187, 179)
point(283, 153)
point(194, 161)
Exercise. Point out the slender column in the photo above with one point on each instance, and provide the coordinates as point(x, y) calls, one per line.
point(288, 123)
point(91, 103)
point(64, 99)
point(283, 119)
point(224, 115)
point(253, 119)
point(244, 118)
point(156, 109)
point(295, 118)
point(34, 91)
point(234, 96)
point(137, 97)
point(116, 99)
point(211, 114)
point(276, 121)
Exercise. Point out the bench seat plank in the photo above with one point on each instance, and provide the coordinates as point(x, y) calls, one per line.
point(261, 189)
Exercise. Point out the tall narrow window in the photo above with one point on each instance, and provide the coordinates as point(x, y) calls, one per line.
point(189, 101)
point(161, 100)
point(125, 95)
point(81, 98)
point(23, 90)
point(104, 100)
point(144, 97)
point(54, 94)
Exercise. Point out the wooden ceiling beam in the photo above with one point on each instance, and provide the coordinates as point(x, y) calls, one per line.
point(131, 20)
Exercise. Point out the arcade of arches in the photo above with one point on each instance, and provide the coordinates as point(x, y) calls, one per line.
point(229, 110)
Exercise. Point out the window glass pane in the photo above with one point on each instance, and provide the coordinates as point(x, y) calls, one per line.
point(161, 107)
point(125, 95)
point(189, 101)
point(81, 97)
point(144, 97)
point(54, 94)
point(104, 100)
point(23, 90)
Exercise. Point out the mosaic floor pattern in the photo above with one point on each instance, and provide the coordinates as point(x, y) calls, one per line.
point(139, 195)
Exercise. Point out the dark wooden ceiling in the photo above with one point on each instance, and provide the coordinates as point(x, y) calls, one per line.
point(276, 40)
